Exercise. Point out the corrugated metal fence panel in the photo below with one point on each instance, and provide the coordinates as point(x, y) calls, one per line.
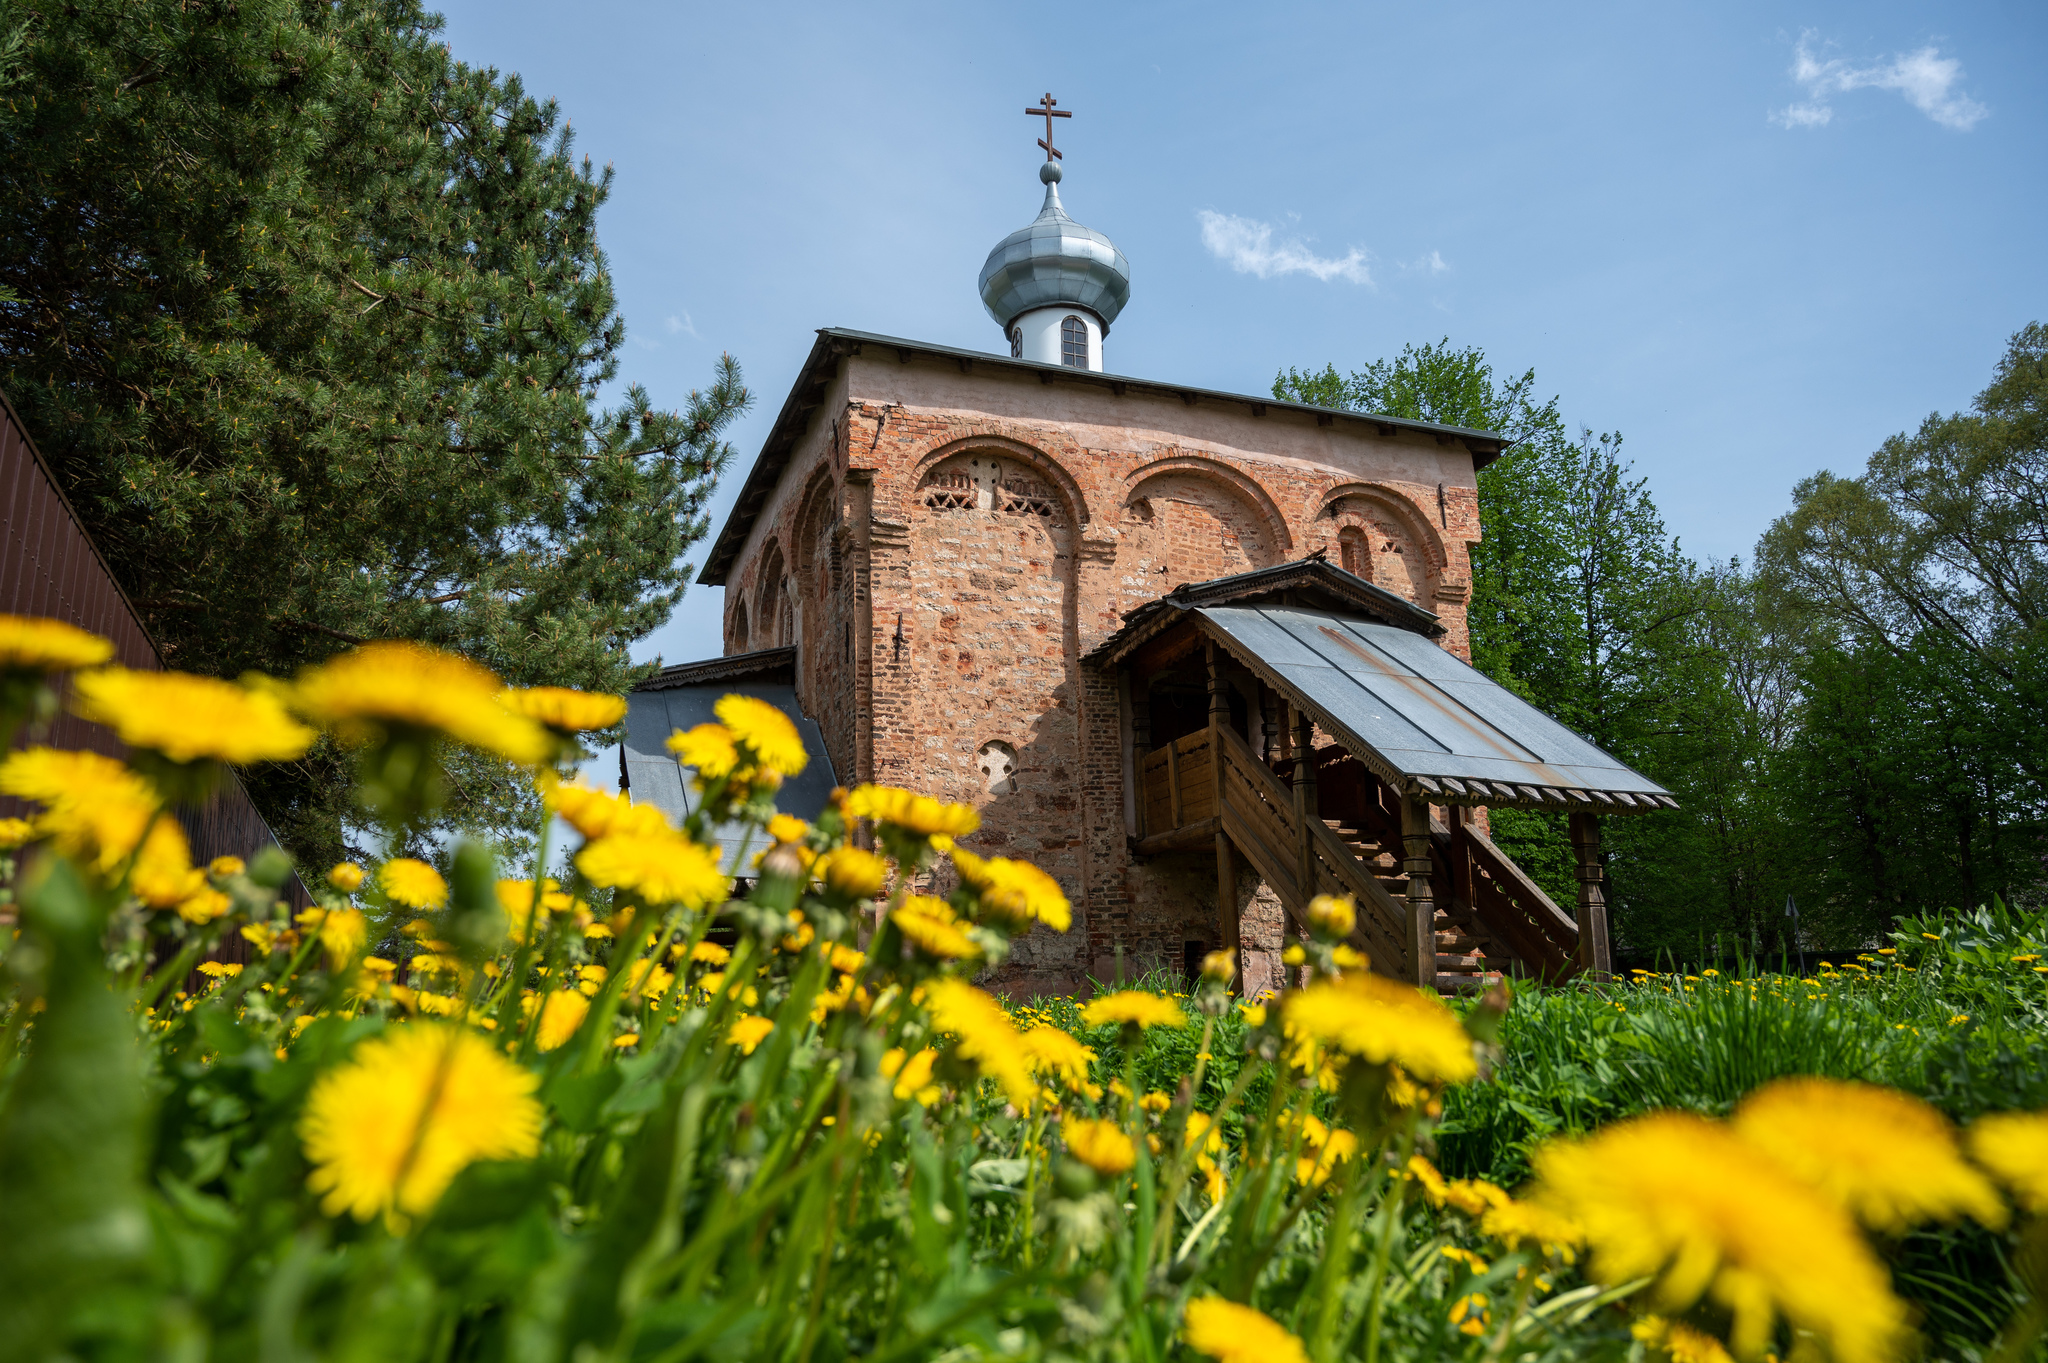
point(49, 567)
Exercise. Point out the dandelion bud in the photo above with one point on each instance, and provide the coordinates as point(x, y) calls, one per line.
point(1332, 916)
point(1219, 968)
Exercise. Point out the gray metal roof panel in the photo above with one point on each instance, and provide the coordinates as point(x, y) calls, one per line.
point(1419, 710)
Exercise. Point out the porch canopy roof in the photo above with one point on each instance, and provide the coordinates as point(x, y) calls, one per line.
point(1424, 721)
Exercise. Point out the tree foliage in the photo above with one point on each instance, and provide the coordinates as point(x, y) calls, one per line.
point(312, 320)
point(1854, 724)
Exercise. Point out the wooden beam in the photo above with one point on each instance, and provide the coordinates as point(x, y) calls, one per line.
point(1226, 896)
point(1307, 805)
point(1594, 953)
point(1193, 838)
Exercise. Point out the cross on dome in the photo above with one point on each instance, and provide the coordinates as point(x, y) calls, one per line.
point(1044, 108)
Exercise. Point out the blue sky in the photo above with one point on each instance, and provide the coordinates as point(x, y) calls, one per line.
point(1755, 239)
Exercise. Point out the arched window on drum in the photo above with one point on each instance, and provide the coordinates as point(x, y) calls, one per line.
point(1074, 343)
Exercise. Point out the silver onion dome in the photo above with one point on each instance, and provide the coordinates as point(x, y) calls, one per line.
point(1055, 261)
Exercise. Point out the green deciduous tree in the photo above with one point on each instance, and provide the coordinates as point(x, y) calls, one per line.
point(1582, 602)
point(312, 320)
point(1919, 591)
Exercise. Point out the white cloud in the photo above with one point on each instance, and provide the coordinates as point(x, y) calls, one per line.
point(1926, 79)
point(1247, 246)
point(680, 326)
point(1431, 264)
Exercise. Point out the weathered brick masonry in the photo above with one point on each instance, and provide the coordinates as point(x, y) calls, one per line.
point(946, 537)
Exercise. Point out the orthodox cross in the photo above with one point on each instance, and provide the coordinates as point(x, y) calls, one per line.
point(1044, 109)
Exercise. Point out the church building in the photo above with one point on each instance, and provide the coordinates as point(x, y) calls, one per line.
point(1200, 656)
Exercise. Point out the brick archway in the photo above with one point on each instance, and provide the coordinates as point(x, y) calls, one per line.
point(1054, 472)
point(1228, 477)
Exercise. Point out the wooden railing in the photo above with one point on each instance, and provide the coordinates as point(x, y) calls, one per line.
point(1183, 789)
point(1508, 904)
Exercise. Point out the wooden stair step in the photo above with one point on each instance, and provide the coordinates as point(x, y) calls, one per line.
point(1466, 965)
point(1455, 984)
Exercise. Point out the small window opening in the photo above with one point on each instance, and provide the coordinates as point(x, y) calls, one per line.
point(1074, 343)
point(998, 763)
point(1191, 954)
point(1016, 343)
point(1351, 550)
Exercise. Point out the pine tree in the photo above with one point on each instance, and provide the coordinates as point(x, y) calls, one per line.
point(312, 320)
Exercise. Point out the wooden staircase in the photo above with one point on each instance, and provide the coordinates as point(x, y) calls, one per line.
point(1485, 917)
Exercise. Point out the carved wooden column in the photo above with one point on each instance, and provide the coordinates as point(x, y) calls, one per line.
point(1227, 925)
point(1307, 807)
point(1594, 952)
point(1421, 944)
point(1269, 724)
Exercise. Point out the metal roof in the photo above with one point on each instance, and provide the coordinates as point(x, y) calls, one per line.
point(1426, 721)
point(658, 707)
point(1053, 260)
point(807, 394)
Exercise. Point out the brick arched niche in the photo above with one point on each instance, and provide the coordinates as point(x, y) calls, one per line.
point(1377, 533)
point(774, 609)
point(994, 527)
point(1189, 519)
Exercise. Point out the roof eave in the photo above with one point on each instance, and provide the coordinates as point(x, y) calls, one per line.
point(835, 343)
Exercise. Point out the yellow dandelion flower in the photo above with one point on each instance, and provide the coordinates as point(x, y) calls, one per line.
point(1678, 1341)
point(226, 866)
point(1689, 1203)
point(1155, 1101)
point(749, 1032)
point(932, 926)
point(986, 1036)
point(1102, 1146)
point(1885, 1157)
point(845, 959)
point(188, 718)
point(34, 643)
point(163, 876)
point(912, 1073)
point(1516, 1223)
point(15, 832)
point(599, 813)
point(1381, 1021)
point(346, 876)
point(710, 953)
point(1470, 1315)
point(1232, 1333)
point(564, 710)
point(220, 970)
point(708, 748)
point(765, 731)
point(561, 1013)
point(648, 978)
point(1332, 915)
point(1133, 1008)
point(343, 933)
point(787, 828)
point(2014, 1147)
point(852, 871)
point(384, 686)
point(918, 815)
point(390, 1129)
point(1015, 891)
point(1254, 1014)
point(412, 883)
point(1049, 1050)
point(661, 868)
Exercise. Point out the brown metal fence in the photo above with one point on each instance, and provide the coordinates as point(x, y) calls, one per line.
point(48, 566)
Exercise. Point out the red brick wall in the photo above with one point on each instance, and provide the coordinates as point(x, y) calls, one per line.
point(1007, 544)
